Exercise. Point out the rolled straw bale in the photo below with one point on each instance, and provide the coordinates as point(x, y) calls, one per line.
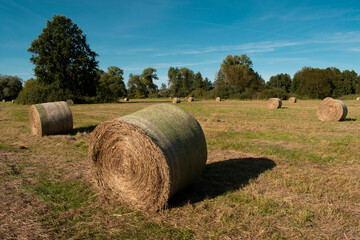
point(332, 110)
point(70, 102)
point(218, 99)
point(3, 100)
point(292, 100)
point(12, 101)
point(274, 103)
point(126, 99)
point(144, 158)
point(190, 99)
point(176, 100)
point(358, 99)
point(50, 118)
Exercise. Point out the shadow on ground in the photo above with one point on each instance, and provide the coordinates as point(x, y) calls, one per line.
point(221, 177)
point(83, 130)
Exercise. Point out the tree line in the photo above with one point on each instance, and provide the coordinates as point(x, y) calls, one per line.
point(66, 68)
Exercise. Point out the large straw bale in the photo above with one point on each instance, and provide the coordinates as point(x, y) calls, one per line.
point(218, 99)
point(144, 158)
point(274, 103)
point(292, 100)
point(332, 110)
point(176, 100)
point(50, 118)
point(190, 99)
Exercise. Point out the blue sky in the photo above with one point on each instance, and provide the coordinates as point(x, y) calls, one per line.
point(278, 36)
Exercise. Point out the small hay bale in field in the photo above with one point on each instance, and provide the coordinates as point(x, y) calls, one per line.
point(50, 118)
point(70, 102)
point(12, 101)
point(274, 103)
point(292, 100)
point(3, 100)
point(218, 99)
point(358, 99)
point(332, 110)
point(144, 158)
point(126, 99)
point(190, 99)
point(176, 100)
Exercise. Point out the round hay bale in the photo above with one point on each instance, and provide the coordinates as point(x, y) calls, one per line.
point(70, 102)
point(274, 103)
point(50, 118)
point(292, 100)
point(3, 100)
point(144, 158)
point(218, 99)
point(126, 99)
point(176, 100)
point(190, 99)
point(332, 110)
point(358, 99)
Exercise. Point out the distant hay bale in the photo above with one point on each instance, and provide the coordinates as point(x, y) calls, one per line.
point(12, 101)
point(332, 110)
point(176, 100)
point(274, 103)
point(70, 102)
point(218, 99)
point(3, 100)
point(144, 158)
point(358, 99)
point(190, 99)
point(126, 99)
point(50, 118)
point(292, 100)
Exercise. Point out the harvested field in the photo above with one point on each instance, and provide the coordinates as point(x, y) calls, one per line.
point(264, 178)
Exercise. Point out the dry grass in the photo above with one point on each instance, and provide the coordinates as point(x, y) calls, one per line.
point(270, 175)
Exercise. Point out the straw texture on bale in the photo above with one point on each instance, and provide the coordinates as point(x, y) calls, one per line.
point(274, 103)
point(70, 102)
point(190, 99)
point(358, 98)
point(292, 100)
point(144, 158)
point(50, 118)
point(176, 100)
point(126, 99)
point(218, 99)
point(332, 110)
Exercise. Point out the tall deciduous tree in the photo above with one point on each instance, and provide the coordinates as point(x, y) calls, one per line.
point(63, 59)
point(111, 85)
point(148, 76)
point(10, 86)
point(280, 81)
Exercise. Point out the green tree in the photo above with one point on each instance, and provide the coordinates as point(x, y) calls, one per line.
point(315, 82)
point(10, 86)
point(111, 85)
point(181, 81)
point(136, 87)
point(345, 83)
point(282, 81)
point(147, 77)
point(63, 59)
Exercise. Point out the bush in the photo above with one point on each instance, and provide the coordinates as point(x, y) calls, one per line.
point(274, 93)
point(35, 92)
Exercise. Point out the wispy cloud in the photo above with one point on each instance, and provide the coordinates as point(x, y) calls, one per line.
point(266, 46)
point(171, 64)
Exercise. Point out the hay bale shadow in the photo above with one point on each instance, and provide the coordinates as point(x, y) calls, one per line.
point(221, 177)
point(349, 120)
point(88, 129)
